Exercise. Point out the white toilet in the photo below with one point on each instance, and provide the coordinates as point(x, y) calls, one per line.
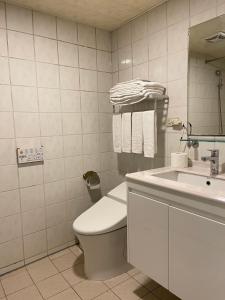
point(102, 232)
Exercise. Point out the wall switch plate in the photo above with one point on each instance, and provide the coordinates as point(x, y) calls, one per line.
point(30, 155)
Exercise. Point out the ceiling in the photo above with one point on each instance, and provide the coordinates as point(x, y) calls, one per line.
point(105, 14)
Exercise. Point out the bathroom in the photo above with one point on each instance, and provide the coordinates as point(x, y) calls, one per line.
point(58, 62)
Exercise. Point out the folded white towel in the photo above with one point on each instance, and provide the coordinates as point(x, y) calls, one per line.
point(126, 132)
point(137, 132)
point(150, 133)
point(117, 133)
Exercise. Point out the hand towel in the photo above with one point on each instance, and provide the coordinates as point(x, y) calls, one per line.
point(137, 132)
point(126, 132)
point(150, 133)
point(117, 133)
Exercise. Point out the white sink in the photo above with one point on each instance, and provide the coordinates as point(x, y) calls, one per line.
point(193, 179)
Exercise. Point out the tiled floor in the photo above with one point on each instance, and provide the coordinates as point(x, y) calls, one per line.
point(61, 277)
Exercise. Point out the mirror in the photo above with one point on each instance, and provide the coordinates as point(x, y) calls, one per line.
point(206, 78)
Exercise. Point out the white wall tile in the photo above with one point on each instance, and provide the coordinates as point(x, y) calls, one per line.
point(22, 72)
point(24, 99)
point(66, 30)
point(105, 141)
point(47, 75)
point(73, 166)
point(44, 25)
point(177, 65)
point(72, 145)
point(86, 35)
point(178, 37)
point(53, 170)
point(10, 228)
point(21, 45)
point(8, 178)
point(124, 35)
point(198, 6)
point(158, 44)
point(29, 176)
point(53, 147)
point(4, 74)
point(5, 100)
point(158, 69)
point(104, 104)
point(88, 80)
point(91, 162)
point(11, 252)
point(68, 54)
point(90, 123)
point(49, 100)
point(90, 143)
point(56, 214)
point(124, 75)
point(71, 123)
point(6, 125)
point(7, 152)
point(57, 235)
point(139, 27)
point(51, 124)
point(55, 192)
point(177, 11)
point(19, 19)
point(32, 197)
point(74, 188)
point(69, 78)
point(2, 15)
point(103, 40)
point(141, 71)
point(89, 102)
point(104, 61)
point(140, 52)
point(105, 122)
point(157, 19)
point(46, 50)
point(115, 61)
point(104, 81)
point(3, 43)
point(33, 220)
point(125, 57)
point(70, 101)
point(35, 244)
point(87, 58)
point(26, 124)
point(9, 203)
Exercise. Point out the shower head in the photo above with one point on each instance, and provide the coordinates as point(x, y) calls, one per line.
point(215, 38)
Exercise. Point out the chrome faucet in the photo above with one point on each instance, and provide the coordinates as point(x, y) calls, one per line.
point(214, 161)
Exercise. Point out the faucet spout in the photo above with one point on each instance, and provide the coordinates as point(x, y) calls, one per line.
point(214, 161)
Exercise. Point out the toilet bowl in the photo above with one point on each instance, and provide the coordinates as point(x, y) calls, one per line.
point(102, 232)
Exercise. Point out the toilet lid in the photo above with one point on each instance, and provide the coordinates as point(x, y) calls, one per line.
point(119, 192)
point(105, 216)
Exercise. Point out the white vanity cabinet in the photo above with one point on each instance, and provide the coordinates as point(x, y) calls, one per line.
point(182, 250)
point(148, 237)
point(197, 256)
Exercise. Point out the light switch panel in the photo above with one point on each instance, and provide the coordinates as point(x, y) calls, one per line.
point(30, 155)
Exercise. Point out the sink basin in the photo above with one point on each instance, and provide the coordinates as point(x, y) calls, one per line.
point(193, 179)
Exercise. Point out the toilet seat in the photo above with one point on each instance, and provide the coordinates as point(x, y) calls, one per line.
point(105, 216)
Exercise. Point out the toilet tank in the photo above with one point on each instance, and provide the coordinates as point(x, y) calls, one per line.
point(119, 192)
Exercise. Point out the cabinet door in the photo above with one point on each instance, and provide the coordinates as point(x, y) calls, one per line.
point(148, 237)
point(197, 256)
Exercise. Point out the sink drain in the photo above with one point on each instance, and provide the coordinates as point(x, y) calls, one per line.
point(208, 182)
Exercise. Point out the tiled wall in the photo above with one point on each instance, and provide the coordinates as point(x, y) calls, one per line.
point(54, 82)
point(155, 46)
point(203, 105)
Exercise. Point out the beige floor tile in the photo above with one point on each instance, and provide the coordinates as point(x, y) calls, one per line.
point(41, 269)
point(66, 295)
point(76, 250)
point(13, 273)
point(17, 282)
point(74, 275)
point(130, 290)
point(2, 294)
point(146, 281)
point(107, 296)
point(30, 293)
point(52, 286)
point(59, 254)
point(65, 262)
point(90, 289)
point(164, 294)
point(116, 280)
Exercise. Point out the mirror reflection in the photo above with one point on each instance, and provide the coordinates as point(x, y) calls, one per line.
point(206, 78)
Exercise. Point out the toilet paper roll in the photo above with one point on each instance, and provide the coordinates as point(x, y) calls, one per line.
point(179, 160)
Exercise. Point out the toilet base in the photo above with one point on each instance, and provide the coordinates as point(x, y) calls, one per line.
point(105, 255)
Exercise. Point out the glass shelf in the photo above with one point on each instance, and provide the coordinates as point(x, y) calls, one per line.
point(202, 140)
